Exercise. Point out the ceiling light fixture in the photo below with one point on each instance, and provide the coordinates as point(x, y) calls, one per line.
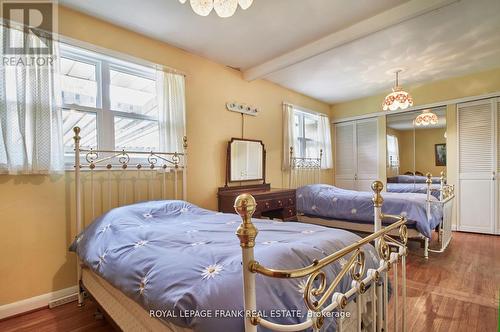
point(223, 8)
point(426, 118)
point(398, 98)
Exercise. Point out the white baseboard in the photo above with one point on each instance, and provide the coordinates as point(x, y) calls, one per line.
point(36, 302)
point(454, 227)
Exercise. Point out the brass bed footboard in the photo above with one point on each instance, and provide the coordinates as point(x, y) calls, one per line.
point(322, 299)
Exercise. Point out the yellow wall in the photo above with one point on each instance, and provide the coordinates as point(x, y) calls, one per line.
point(453, 88)
point(35, 212)
point(425, 139)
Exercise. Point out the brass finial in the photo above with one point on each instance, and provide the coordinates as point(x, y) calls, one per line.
point(429, 178)
point(442, 176)
point(245, 206)
point(76, 130)
point(377, 187)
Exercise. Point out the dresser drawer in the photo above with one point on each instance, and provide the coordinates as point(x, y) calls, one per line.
point(265, 205)
point(271, 203)
point(278, 203)
point(290, 201)
point(289, 212)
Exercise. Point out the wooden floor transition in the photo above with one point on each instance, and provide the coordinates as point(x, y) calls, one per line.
point(454, 291)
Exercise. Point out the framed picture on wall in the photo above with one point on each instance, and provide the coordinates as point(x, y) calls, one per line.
point(440, 154)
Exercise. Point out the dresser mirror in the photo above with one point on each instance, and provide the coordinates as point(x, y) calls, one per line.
point(246, 160)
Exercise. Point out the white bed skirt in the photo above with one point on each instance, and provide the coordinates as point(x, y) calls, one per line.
point(127, 314)
point(130, 316)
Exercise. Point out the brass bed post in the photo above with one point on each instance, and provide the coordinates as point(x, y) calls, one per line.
point(319, 164)
point(291, 168)
point(441, 197)
point(78, 209)
point(184, 169)
point(247, 232)
point(429, 194)
point(377, 187)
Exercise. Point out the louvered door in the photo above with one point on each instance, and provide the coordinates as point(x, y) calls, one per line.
point(477, 149)
point(497, 175)
point(345, 155)
point(367, 153)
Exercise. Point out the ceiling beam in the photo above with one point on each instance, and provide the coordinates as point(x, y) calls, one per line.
point(384, 20)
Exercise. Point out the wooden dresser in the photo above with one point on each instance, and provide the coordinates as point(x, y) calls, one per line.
point(271, 203)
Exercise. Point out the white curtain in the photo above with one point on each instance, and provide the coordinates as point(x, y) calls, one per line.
point(172, 110)
point(30, 117)
point(325, 141)
point(288, 134)
point(392, 155)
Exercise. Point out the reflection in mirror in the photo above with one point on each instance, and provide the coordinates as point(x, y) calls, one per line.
point(415, 147)
point(246, 160)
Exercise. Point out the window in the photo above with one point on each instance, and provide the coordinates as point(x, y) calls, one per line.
point(114, 102)
point(392, 151)
point(306, 133)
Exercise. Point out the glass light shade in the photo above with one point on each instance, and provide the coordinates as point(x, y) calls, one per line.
point(398, 98)
point(202, 7)
point(245, 4)
point(182, 1)
point(426, 118)
point(225, 8)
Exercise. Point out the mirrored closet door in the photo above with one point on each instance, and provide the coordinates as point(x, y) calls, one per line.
point(416, 145)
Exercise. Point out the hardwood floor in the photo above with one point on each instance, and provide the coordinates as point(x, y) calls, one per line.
point(68, 317)
point(454, 291)
point(457, 290)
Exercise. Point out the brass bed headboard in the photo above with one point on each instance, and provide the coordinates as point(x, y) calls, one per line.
point(163, 169)
point(304, 170)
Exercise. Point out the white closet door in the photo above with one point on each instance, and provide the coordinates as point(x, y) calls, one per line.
point(345, 155)
point(477, 150)
point(367, 153)
point(497, 175)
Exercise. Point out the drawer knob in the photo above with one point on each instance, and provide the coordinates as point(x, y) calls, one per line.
point(267, 205)
point(280, 203)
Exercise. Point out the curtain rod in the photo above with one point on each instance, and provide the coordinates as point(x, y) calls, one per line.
point(306, 110)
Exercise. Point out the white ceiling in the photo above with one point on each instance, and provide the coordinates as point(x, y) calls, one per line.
point(457, 39)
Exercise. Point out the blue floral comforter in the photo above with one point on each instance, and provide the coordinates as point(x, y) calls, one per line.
point(331, 202)
point(185, 261)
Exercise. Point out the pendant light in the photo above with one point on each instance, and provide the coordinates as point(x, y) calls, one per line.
point(398, 98)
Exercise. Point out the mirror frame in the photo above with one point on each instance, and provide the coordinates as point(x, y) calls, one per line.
point(228, 161)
